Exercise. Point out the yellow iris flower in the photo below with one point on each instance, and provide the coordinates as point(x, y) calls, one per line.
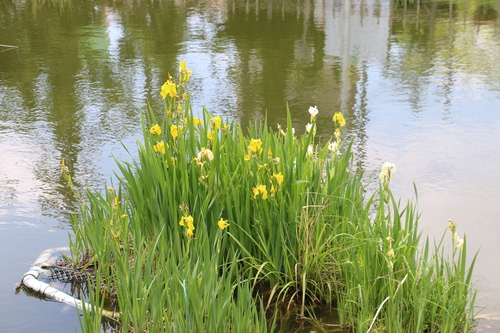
point(338, 117)
point(197, 121)
point(182, 66)
point(222, 223)
point(255, 146)
point(115, 203)
point(188, 222)
point(260, 189)
point(272, 190)
point(279, 177)
point(172, 159)
point(216, 122)
point(211, 135)
point(155, 129)
point(174, 131)
point(185, 73)
point(168, 89)
point(159, 147)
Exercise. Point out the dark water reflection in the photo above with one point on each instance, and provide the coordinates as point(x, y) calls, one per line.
point(418, 82)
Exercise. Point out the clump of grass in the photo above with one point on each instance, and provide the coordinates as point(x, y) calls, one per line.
point(208, 215)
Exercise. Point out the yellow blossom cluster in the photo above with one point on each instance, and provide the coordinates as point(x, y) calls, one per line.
point(253, 149)
point(276, 179)
point(115, 203)
point(169, 89)
point(196, 121)
point(338, 118)
point(216, 122)
point(260, 189)
point(211, 135)
point(159, 147)
point(188, 222)
point(279, 178)
point(155, 129)
point(185, 73)
point(172, 160)
point(176, 92)
point(174, 131)
point(222, 223)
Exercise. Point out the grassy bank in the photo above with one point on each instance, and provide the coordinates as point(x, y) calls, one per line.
point(212, 226)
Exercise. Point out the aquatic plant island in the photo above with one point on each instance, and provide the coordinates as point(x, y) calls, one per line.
point(216, 228)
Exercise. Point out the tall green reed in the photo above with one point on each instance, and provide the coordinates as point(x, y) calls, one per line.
point(207, 212)
point(392, 284)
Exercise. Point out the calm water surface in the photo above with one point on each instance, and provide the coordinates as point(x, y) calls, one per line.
point(419, 85)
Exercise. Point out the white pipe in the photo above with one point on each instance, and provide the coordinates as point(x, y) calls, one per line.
point(30, 280)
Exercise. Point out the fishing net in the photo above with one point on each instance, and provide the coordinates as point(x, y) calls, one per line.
point(62, 271)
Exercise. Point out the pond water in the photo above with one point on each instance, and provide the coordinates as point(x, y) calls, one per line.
point(417, 81)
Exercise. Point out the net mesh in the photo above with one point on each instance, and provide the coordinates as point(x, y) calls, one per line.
point(63, 271)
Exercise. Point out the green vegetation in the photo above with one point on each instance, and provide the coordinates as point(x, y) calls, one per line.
point(210, 228)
